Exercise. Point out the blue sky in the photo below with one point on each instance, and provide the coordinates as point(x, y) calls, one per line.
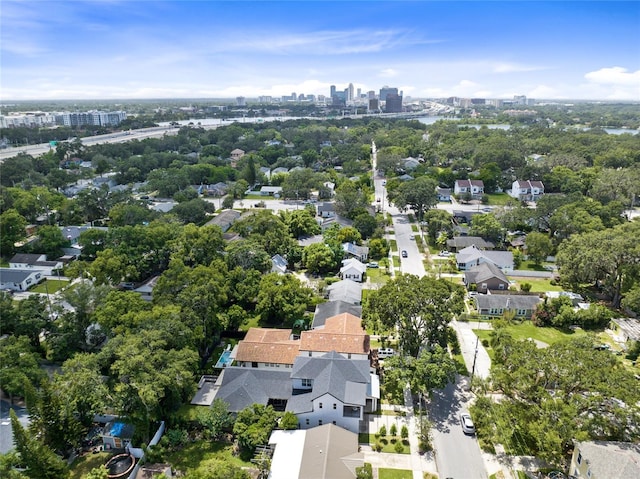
point(103, 49)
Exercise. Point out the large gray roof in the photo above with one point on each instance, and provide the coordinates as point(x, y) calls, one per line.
point(13, 275)
point(333, 308)
point(242, 387)
point(345, 290)
point(464, 241)
point(332, 373)
point(483, 272)
point(611, 460)
point(514, 301)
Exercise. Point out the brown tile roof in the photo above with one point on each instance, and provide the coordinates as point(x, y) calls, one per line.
point(263, 345)
point(342, 333)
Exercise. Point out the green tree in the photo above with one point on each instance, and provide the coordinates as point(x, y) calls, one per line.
point(123, 214)
point(319, 258)
point(192, 211)
point(92, 241)
point(365, 224)
point(282, 299)
point(300, 223)
point(487, 226)
point(418, 194)
point(378, 248)
point(253, 426)
point(350, 197)
point(419, 308)
point(12, 230)
point(215, 420)
point(248, 254)
point(100, 472)
point(538, 247)
point(218, 469)
point(609, 258)
point(19, 366)
point(631, 299)
point(39, 460)
point(438, 221)
point(288, 421)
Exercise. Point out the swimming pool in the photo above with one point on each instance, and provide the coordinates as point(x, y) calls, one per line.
point(225, 360)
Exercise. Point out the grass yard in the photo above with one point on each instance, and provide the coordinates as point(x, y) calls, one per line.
point(499, 199)
point(84, 464)
point(384, 473)
point(378, 275)
point(393, 245)
point(396, 262)
point(538, 285)
point(527, 330)
point(414, 228)
point(254, 322)
point(196, 453)
point(49, 286)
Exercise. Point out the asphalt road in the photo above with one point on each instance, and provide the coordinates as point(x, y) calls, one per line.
point(457, 454)
point(6, 434)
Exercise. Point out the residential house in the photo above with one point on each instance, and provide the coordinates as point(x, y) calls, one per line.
point(605, 460)
point(329, 309)
point(326, 210)
point(278, 264)
point(343, 334)
point(410, 163)
point(281, 170)
point(353, 269)
point(352, 250)
point(326, 451)
point(72, 233)
point(266, 171)
point(242, 387)
point(145, 290)
point(154, 471)
point(271, 190)
point(35, 261)
point(217, 189)
point(345, 290)
point(19, 279)
point(333, 389)
point(527, 190)
point(443, 194)
point(576, 299)
point(495, 305)
point(236, 155)
point(117, 434)
point(224, 220)
point(625, 329)
point(472, 256)
point(475, 188)
point(330, 187)
point(458, 243)
point(485, 277)
point(264, 348)
point(405, 177)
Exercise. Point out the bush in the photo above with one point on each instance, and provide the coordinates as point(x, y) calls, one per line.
point(525, 287)
point(399, 448)
point(383, 431)
point(393, 430)
point(377, 447)
point(364, 472)
point(404, 432)
point(485, 343)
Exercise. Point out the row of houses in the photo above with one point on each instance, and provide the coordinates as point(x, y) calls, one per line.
point(27, 270)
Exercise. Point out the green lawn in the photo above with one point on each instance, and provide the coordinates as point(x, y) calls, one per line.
point(414, 228)
point(527, 330)
point(499, 199)
point(384, 473)
point(82, 465)
point(538, 285)
point(393, 244)
point(396, 261)
point(49, 286)
point(378, 275)
point(196, 453)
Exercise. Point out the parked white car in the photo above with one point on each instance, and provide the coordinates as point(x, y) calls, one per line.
point(467, 423)
point(385, 353)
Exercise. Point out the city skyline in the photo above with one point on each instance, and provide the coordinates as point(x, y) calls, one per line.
point(117, 49)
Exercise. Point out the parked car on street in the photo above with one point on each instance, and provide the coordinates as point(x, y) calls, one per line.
point(385, 353)
point(404, 253)
point(467, 424)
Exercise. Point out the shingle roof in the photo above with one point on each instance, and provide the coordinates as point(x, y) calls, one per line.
point(354, 249)
point(353, 263)
point(344, 379)
point(345, 290)
point(26, 258)
point(330, 452)
point(611, 460)
point(483, 272)
point(14, 275)
point(465, 241)
point(333, 308)
point(507, 301)
point(242, 387)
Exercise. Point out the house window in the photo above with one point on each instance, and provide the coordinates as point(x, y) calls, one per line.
point(334, 423)
point(349, 356)
point(319, 422)
point(309, 353)
point(254, 364)
point(579, 459)
point(483, 286)
point(501, 286)
point(521, 312)
point(334, 406)
point(307, 383)
point(589, 472)
point(307, 422)
point(320, 405)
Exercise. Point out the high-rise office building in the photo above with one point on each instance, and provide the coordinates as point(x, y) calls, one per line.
point(359, 92)
point(385, 90)
point(371, 94)
point(333, 91)
point(241, 101)
point(350, 96)
point(393, 103)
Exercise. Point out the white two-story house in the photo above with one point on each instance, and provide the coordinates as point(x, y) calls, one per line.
point(527, 190)
point(475, 188)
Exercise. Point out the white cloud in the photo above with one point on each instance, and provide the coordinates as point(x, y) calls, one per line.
point(614, 76)
point(515, 68)
point(388, 73)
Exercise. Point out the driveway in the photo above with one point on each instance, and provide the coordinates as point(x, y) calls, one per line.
point(6, 432)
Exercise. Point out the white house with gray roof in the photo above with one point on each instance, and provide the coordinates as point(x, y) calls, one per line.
point(19, 279)
point(605, 460)
point(496, 304)
point(472, 256)
point(35, 261)
point(345, 290)
point(353, 270)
